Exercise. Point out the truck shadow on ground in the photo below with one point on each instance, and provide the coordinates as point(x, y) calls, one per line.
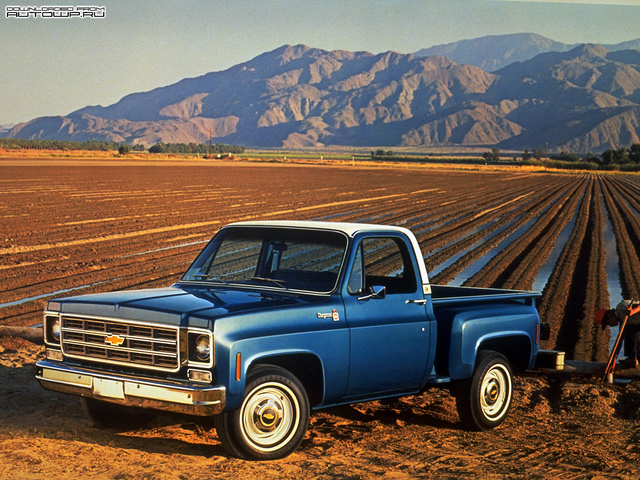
point(396, 412)
point(165, 438)
point(26, 409)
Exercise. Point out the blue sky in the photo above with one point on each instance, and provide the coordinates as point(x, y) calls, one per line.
point(56, 66)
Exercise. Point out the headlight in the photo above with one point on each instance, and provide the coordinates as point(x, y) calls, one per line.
point(55, 330)
point(203, 348)
point(52, 329)
point(200, 348)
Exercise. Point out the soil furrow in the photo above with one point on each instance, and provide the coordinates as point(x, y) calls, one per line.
point(517, 264)
point(627, 234)
point(578, 285)
point(515, 220)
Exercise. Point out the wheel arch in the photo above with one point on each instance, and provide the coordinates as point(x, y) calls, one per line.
point(515, 348)
point(306, 367)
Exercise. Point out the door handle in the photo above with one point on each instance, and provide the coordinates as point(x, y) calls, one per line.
point(419, 301)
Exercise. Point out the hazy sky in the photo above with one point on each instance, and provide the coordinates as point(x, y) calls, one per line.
point(56, 66)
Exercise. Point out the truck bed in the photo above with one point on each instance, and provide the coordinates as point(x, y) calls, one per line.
point(446, 294)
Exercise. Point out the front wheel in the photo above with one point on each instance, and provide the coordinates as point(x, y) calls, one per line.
point(273, 418)
point(484, 400)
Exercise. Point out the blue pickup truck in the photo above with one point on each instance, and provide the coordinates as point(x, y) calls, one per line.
point(274, 319)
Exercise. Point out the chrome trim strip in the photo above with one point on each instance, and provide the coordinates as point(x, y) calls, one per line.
point(144, 323)
point(124, 390)
point(128, 337)
point(117, 349)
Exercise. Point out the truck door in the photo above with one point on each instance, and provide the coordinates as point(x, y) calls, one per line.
point(386, 314)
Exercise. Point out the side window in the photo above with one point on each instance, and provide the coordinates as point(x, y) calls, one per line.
point(382, 262)
point(356, 280)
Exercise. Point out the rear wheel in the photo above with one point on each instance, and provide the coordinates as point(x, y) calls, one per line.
point(110, 415)
point(273, 418)
point(484, 400)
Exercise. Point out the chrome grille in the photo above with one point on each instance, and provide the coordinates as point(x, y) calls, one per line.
point(121, 342)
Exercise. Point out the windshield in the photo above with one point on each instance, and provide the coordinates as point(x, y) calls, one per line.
point(280, 258)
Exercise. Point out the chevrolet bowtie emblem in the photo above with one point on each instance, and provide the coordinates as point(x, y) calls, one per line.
point(114, 340)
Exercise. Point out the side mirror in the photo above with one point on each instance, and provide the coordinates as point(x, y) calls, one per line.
point(375, 292)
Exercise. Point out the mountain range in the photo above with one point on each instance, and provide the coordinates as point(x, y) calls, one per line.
point(583, 98)
point(494, 52)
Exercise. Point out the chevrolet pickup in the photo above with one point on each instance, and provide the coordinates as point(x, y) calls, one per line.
point(276, 319)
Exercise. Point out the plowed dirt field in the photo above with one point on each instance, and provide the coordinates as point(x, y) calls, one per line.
point(80, 226)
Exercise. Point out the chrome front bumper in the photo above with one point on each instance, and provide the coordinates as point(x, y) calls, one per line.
point(129, 391)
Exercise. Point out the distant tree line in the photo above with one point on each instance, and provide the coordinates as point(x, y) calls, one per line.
point(381, 153)
point(199, 148)
point(492, 156)
point(122, 148)
point(17, 143)
point(626, 159)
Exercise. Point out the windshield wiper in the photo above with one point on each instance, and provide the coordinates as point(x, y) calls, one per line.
point(276, 282)
point(209, 278)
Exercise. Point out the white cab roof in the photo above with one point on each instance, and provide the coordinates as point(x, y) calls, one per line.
point(349, 229)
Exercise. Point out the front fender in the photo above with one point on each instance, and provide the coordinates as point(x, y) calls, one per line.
point(315, 329)
point(327, 349)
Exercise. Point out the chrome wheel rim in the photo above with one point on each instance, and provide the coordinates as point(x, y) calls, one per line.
point(270, 416)
point(495, 392)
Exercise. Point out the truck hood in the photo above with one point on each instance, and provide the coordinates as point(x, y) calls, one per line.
point(178, 305)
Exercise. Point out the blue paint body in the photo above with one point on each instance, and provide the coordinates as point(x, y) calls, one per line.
point(342, 347)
